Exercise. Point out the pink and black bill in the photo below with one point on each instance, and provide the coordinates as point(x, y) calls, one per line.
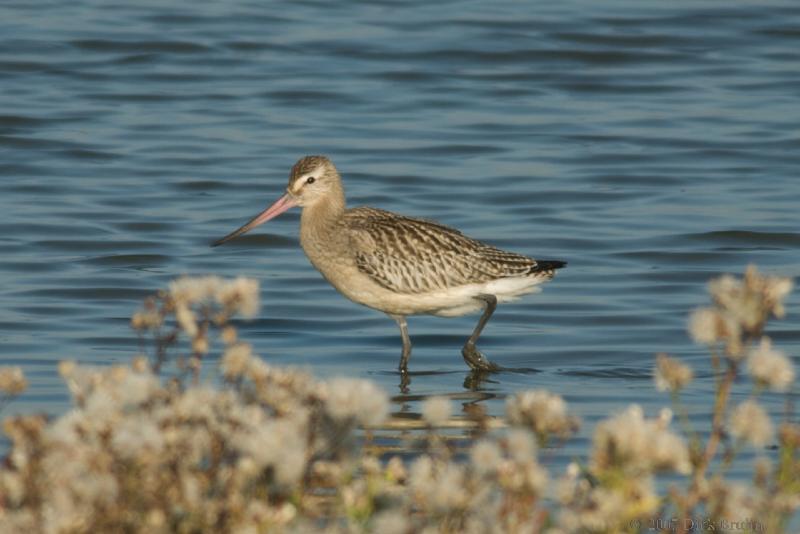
point(281, 205)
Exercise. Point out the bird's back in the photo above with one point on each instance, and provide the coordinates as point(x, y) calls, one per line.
point(410, 255)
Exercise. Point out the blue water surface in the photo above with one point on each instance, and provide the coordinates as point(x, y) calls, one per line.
point(651, 145)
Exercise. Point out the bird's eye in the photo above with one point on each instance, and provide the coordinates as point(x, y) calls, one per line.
point(310, 180)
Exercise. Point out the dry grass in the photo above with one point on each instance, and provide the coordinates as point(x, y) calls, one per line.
point(148, 448)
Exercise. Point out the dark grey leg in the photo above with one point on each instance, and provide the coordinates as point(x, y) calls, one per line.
point(404, 356)
point(474, 358)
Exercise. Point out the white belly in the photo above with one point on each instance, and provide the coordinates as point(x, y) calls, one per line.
point(461, 300)
point(450, 302)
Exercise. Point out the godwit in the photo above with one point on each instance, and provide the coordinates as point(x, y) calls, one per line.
point(400, 265)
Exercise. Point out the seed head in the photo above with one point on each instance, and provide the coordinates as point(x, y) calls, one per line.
point(770, 367)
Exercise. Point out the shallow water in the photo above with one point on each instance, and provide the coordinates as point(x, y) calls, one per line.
point(651, 146)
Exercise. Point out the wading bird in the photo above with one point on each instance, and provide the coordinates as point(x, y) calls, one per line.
point(400, 265)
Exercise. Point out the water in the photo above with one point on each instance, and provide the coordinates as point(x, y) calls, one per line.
point(651, 146)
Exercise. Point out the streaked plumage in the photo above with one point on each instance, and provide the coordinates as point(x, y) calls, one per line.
point(410, 255)
point(400, 265)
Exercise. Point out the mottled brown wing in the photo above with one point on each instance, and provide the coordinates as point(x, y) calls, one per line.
point(410, 255)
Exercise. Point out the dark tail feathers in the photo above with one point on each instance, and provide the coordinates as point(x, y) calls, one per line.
point(547, 265)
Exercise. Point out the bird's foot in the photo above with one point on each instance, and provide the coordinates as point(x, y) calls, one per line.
point(405, 380)
point(476, 360)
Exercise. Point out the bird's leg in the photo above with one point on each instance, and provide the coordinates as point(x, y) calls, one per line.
point(474, 358)
point(404, 356)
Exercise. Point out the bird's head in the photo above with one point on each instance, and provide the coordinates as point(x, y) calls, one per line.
point(312, 179)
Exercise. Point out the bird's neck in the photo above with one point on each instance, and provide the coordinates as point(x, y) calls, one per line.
point(322, 216)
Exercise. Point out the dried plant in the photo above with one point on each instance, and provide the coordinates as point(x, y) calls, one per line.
point(150, 447)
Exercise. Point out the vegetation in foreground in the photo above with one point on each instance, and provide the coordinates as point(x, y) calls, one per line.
point(149, 448)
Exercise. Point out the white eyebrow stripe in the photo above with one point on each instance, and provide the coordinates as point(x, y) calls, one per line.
point(301, 181)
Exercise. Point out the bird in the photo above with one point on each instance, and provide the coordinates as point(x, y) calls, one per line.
point(400, 265)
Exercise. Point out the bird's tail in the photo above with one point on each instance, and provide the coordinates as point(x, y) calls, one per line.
point(547, 266)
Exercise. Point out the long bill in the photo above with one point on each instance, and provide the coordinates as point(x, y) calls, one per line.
point(280, 205)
